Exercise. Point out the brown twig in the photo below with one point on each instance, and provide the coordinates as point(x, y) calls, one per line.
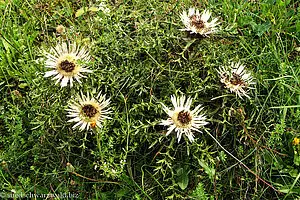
point(255, 142)
point(94, 180)
point(258, 177)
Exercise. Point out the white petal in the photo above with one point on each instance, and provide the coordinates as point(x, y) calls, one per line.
point(188, 103)
point(190, 136)
point(82, 127)
point(77, 79)
point(179, 135)
point(50, 73)
point(86, 70)
point(80, 122)
point(76, 119)
point(182, 100)
point(71, 81)
point(213, 22)
point(98, 124)
point(88, 125)
point(174, 101)
point(73, 115)
point(64, 81)
point(240, 69)
point(205, 15)
point(191, 11)
point(58, 77)
point(170, 129)
point(196, 110)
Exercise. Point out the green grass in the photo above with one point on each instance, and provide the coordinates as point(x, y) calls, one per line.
point(140, 58)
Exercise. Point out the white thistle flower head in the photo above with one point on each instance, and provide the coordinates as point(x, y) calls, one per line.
point(67, 62)
point(236, 79)
point(182, 119)
point(88, 112)
point(195, 22)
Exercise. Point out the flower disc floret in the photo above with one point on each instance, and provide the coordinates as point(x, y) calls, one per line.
point(67, 62)
point(197, 23)
point(236, 79)
point(88, 112)
point(183, 120)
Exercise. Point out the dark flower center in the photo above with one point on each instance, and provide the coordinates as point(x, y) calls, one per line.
point(67, 66)
point(236, 79)
point(184, 117)
point(89, 110)
point(197, 22)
